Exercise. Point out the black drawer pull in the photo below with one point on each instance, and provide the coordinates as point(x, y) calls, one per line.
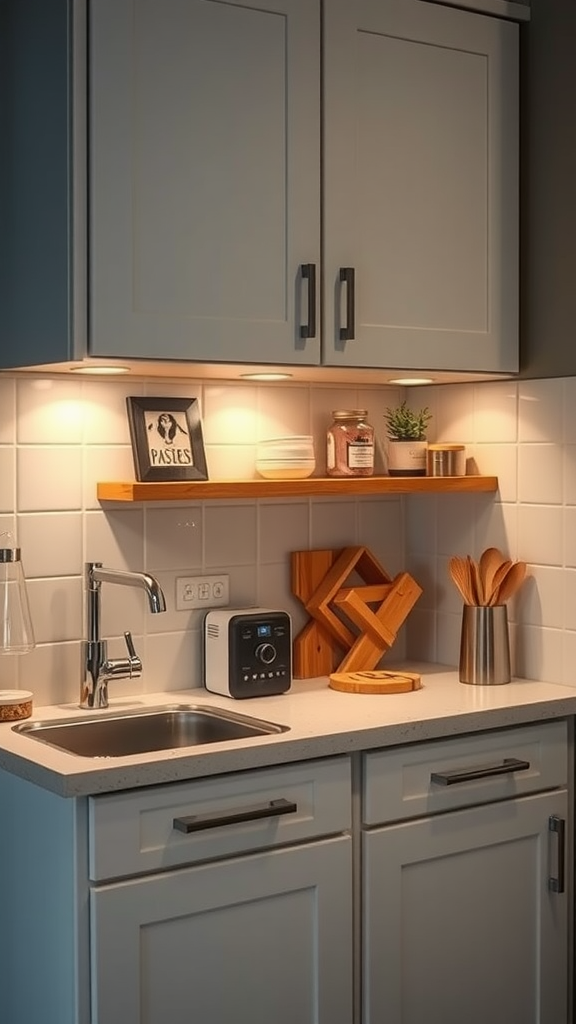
point(308, 272)
point(348, 277)
point(197, 822)
point(505, 767)
point(558, 825)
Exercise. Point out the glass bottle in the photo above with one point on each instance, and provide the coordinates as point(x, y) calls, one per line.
point(350, 444)
point(16, 634)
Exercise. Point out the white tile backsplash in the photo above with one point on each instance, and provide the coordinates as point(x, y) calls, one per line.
point(115, 538)
point(7, 478)
point(51, 543)
point(50, 411)
point(49, 478)
point(496, 412)
point(525, 434)
point(173, 538)
point(60, 436)
point(540, 534)
point(540, 474)
point(282, 526)
point(282, 410)
point(105, 420)
point(540, 406)
point(230, 535)
point(229, 415)
point(7, 410)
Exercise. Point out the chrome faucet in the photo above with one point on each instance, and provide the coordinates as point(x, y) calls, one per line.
point(98, 667)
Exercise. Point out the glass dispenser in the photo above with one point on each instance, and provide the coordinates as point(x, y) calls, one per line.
point(17, 634)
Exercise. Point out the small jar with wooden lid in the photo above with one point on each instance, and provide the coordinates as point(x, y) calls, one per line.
point(350, 444)
point(14, 705)
point(446, 460)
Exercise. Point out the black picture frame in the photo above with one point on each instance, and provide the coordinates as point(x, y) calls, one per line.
point(166, 437)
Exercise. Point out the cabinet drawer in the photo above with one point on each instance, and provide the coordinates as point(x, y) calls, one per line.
point(140, 831)
point(427, 778)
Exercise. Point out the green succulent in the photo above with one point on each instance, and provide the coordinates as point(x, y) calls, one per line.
point(404, 424)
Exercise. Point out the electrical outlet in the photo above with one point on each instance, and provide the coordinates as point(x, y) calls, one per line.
point(202, 592)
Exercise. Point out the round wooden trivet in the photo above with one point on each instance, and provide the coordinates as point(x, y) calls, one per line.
point(375, 682)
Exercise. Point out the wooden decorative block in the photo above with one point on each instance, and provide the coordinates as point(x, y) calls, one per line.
point(341, 616)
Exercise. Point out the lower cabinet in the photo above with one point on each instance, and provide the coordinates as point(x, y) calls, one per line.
point(264, 938)
point(421, 884)
point(460, 923)
point(256, 925)
point(466, 912)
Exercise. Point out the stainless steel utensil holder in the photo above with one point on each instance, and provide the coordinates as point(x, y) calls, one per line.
point(484, 645)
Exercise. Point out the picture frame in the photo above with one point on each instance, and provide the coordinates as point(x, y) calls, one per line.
point(166, 437)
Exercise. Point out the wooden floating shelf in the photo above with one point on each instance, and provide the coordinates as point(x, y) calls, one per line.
point(313, 486)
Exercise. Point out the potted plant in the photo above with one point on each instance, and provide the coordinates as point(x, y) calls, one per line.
point(406, 429)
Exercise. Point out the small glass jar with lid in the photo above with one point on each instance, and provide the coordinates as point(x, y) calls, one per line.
point(350, 444)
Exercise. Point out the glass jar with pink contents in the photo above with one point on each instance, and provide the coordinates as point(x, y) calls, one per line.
point(350, 444)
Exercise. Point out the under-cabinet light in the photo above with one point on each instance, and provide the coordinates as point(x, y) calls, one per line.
point(266, 376)
point(108, 371)
point(407, 381)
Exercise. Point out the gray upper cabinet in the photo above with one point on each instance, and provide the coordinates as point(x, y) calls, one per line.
point(205, 178)
point(294, 182)
point(421, 186)
point(37, 192)
point(548, 176)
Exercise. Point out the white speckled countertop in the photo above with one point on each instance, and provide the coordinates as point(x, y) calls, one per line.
point(321, 721)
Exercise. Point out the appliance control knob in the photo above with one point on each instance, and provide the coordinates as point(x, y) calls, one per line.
point(266, 653)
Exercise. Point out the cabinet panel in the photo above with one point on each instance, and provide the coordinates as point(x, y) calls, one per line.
point(421, 189)
point(133, 832)
point(460, 923)
point(205, 171)
point(36, 184)
point(548, 211)
point(261, 938)
point(398, 781)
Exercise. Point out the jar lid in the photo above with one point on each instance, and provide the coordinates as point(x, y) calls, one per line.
point(446, 447)
point(14, 697)
point(341, 414)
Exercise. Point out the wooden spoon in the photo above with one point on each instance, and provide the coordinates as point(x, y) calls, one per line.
point(497, 578)
point(490, 561)
point(511, 582)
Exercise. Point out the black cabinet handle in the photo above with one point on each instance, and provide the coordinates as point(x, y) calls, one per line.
point(558, 825)
point(198, 822)
point(348, 277)
point(505, 767)
point(308, 272)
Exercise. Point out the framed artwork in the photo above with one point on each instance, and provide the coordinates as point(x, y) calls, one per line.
point(166, 436)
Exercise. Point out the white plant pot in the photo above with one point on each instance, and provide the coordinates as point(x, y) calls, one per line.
point(407, 458)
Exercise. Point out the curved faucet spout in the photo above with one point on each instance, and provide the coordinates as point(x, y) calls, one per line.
point(156, 599)
point(98, 667)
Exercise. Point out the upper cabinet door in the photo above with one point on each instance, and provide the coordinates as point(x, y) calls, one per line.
point(204, 178)
point(421, 186)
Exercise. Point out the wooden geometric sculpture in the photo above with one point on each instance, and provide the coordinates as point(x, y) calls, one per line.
point(318, 580)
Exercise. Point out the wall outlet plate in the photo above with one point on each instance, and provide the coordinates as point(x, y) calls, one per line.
point(202, 592)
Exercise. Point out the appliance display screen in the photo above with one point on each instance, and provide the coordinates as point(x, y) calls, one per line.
point(265, 630)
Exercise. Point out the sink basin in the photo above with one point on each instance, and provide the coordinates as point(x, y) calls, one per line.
point(143, 731)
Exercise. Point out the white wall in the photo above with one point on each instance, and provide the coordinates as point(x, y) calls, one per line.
point(60, 435)
point(525, 433)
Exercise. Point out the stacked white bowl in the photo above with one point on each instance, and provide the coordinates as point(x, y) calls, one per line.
point(286, 458)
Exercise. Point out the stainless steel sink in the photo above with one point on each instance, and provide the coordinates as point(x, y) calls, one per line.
point(143, 731)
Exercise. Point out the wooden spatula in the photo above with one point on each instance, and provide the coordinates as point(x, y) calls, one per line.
point(460, 574)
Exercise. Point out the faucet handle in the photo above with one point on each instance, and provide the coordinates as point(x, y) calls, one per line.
point(135, 663)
